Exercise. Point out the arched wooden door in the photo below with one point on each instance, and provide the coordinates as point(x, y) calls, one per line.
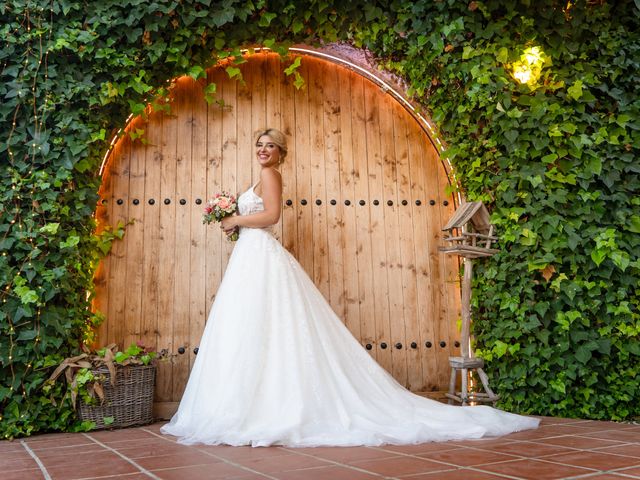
point(364, 201)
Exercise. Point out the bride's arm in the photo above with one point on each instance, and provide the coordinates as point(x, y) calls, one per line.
point(271, 182)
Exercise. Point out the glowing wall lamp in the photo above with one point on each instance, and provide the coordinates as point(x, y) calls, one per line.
point(529, 68)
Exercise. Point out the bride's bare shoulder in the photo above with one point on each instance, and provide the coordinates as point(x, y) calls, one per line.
point(270, 175)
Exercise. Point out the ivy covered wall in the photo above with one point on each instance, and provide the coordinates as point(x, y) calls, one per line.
point(556, 312)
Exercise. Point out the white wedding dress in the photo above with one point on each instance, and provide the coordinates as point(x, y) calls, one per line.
point(276, 366)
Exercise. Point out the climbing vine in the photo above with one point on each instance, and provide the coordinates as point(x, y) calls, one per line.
point(556, 313)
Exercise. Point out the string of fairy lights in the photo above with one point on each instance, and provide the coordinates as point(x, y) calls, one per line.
point(31, 25)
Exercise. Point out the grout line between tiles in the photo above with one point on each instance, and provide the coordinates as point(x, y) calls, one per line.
point(513, 458)
point(44, 471)
point(597, 474)
point(124, 457)
point(292, 450)
point(222, 459)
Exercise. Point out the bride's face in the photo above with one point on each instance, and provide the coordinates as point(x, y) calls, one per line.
point(267, 152)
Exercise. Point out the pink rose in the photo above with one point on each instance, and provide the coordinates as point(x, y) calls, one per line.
point(223, 203)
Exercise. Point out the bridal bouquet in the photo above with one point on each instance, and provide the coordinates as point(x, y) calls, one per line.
point(220, 206)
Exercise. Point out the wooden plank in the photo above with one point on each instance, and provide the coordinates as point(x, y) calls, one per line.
point(347, 193)
point(198, 250)
point(167, 258)
point(182, 107)
point(335, 220)
point(214, 240)
point(439, 313)
point(288, 168)
point(229, 89)
point(119, 168)
point(320, 247)
point(392, 259)
point(135, 244)
point(153, 168)
point(424, 327)
point(405, 247)
point(303, 172)
point(256, 82)
point(424, 250)
point(272, 72)
point(374, 106)
point(363, 221)
point(104, 215)
point(449, 282)
point(247, 169)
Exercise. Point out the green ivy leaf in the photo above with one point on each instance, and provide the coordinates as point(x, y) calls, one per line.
point(266, 18)
point(197, 72)
point(50, 228)
point(234, 72)
point(575, 90)
point(634, 224)
point(500, 348)
point(70, 242)
point(502, 55)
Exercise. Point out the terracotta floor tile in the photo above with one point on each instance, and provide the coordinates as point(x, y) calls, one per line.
point(73, 450)
point(176, 460)
point(233, 453)
point(467, 457)
point(557, 430)
point(74, 441)
point(607, 476)
point(125, 434)
point(326, 473)
point(30, 474)
point(204, 472)
point(458, 474)
point(348, 455)
point(421, 447)
point(632, 472)
point(59, 436)
point(630, 450)
point(581, 442)
point(88, 470)
point(596, 425)
point(281, 463)
point(538, 433)
point(7, 447)
point(126, 476)
point(150, 449)
point(16, 461)
point(595, 460)
point(154, 427)
point(627, 435)
point(96, 458)
point(530, 469)
point(396, 466)
point(559, 421)
point(525, 449)
point(486, 441)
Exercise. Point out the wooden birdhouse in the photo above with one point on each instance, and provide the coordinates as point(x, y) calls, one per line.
point(469, 233)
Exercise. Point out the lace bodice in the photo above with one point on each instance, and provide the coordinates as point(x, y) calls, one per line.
point(249, 203)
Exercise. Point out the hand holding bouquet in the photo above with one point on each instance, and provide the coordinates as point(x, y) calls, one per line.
point(220, 206)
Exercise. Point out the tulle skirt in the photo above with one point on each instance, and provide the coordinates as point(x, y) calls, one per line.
point(276, 366)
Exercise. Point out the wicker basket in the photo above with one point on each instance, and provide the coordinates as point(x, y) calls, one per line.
point(129, 402)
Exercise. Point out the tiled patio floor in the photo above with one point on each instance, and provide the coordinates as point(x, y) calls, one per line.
point(560, 448)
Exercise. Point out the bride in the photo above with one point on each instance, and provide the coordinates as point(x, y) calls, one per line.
point(276, 366)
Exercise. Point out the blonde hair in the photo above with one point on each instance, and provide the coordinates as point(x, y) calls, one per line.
point(277, 137)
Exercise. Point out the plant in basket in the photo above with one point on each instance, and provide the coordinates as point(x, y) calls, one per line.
point(110, 388)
